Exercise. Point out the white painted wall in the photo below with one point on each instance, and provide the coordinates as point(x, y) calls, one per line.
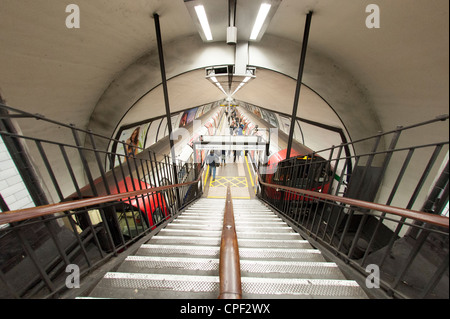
point(12, 188)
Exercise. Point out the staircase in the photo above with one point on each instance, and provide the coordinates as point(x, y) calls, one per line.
point(182, 261)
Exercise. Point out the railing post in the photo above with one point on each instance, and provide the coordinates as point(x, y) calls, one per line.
point(299, 82)
point(166, 100)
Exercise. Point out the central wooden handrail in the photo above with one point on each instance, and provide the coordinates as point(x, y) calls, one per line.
point(229, 265)
point(402, 212)
point(34, 212)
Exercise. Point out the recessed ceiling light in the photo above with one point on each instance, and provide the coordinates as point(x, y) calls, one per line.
point(201, 14)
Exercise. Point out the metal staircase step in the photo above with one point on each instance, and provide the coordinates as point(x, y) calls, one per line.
point(243, 242)
point(270, 234)
point(280, 254)
point(273, 243)
point(274, 228)
point(241, 218)
point(203, 211)
point(191, 233)
point(249, 268)
point(184, 240)
point(260, 288)
point(247, 222)
point(178, 251)
point(155, 286)
point(290, 269)
point(186, 226)
point(182, 260)
point(170, 265)
point(243, 227)
point(241, 235)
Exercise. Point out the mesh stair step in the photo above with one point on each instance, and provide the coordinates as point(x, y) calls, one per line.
point(186, 226)
point(243, 218)
point(170, 265)
point(182, 260)
point(273, 243)
point(178, 251)
point(184, 240)
point(241, 235)
point(191, 233)
point(144, 285)
point(280, 254)
point(290, 269)
point(156, 286)
point(243, 242)
point(239, 227)
point(249, 268)
point(289, 288)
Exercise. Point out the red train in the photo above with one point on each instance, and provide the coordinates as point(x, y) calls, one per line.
point(302, 171)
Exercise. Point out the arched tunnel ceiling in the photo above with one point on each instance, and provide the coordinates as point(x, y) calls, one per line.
point(400, 70)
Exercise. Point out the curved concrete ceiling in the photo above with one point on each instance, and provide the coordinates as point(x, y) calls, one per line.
point(373, 79)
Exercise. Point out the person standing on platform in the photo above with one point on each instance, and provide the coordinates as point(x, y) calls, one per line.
point(232, 127)
point(224, 154)
point(212, 160)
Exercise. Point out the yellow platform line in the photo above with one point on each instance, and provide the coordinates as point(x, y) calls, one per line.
point(249, 172)
point(206, 175)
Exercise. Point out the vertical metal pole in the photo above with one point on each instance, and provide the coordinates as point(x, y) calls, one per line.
point(166, 98)
point(232, 13)
point(164, 82)
point(299, 82)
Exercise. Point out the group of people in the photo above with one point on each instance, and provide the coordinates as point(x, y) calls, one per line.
point(214, 160)
point(237, 126)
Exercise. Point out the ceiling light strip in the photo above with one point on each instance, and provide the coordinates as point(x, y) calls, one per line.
point(262, 15)
point(201, 14)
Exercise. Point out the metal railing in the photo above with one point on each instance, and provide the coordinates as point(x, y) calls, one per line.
point(85, 215)
point(98, 228)
point(337, 210)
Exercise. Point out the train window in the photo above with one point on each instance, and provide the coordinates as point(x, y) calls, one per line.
point(322, 174)
point(300, 179)
point(157, 215)
point(276, 176)
point(131, 221)
point(86, 218)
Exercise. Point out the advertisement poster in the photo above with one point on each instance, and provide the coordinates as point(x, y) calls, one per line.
point(135, 137)
point(187, 117)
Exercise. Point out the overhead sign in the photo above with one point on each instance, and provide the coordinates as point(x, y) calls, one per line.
point(227, 146)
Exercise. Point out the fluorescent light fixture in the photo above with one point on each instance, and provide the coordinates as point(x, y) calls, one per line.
point(262, 15)
point(247, 79)
point(201, 14)
point(214, 79)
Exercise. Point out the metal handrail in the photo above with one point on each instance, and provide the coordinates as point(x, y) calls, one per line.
point(402, 212)
point(39, 211)
point(229, 264)
point(40, 117)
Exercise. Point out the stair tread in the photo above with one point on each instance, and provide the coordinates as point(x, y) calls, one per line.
point(249, 253)
point(210, 266)
point(309, 288)
point(243, 242)
point(182, 260)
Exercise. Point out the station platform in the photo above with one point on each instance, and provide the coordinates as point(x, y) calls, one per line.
point(238, 175)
